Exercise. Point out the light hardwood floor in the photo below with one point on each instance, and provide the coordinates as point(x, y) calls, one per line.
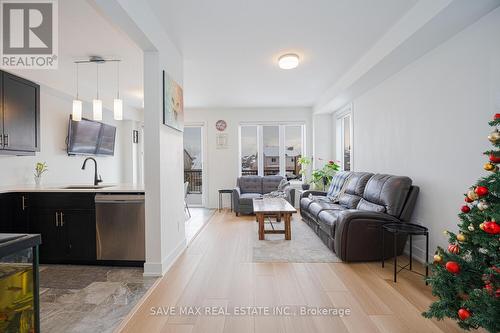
point(217, 270)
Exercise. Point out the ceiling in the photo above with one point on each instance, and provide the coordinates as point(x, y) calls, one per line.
point(83, 32)
point(230, 47)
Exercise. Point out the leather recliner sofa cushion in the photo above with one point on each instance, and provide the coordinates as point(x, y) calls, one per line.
point(327, 220)
point(387, 191)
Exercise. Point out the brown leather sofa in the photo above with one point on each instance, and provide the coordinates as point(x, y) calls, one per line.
point(350, 224)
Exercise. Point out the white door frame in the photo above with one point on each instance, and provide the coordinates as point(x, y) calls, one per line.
point(204, 158)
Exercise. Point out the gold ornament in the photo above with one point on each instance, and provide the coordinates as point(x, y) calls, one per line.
point(472, 195)
point(445, 232)
point(460, 237)
point(437, 258)
point(494, 136)
point(483, 205)
point(490, 167)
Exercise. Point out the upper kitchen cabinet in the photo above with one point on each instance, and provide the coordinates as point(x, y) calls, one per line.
point(19, 115)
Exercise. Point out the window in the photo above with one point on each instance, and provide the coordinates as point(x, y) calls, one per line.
point(248, 150)
point(344, 138)
point(271, 149)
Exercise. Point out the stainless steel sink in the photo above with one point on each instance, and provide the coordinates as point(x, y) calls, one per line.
point(84, 187)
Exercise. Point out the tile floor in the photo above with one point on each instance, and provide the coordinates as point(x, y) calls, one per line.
point(88, 298)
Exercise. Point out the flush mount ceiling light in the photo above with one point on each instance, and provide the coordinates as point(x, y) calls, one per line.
point(288, 61)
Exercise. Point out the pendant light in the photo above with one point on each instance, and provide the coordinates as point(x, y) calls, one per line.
point(118, 103)
point(97, 103)
point(77, 103)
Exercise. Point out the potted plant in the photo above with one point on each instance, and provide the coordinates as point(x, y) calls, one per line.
point(40, 169)
point(321, 178)
point(304, 168)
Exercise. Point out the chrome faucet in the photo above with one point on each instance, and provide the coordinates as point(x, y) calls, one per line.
point(97, 180)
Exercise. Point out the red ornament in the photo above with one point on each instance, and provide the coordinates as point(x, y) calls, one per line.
point(468, 200)
point(463, 314)
point(497, 115)
point(491, 227)
point(465, 209)
point(452, 267)
point(454, 248)
point(494, 159)
point(489, 288)
point(482, 190)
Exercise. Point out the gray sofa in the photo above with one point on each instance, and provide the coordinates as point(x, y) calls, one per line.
point(349, 221)
point(250, 187)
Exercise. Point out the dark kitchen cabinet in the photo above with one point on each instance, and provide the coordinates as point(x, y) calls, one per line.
point(13, 213)
point(81, 235)
point(45, 223)
point(6, 214)
point(19, 115)
point(67, 225)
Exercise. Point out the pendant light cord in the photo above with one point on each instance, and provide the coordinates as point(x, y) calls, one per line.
point(97, 85)
point(77, 96)
point(118, 79)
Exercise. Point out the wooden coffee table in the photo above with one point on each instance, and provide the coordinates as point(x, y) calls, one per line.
point(276, 207)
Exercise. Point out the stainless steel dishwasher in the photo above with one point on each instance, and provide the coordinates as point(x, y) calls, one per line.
point(120, 227)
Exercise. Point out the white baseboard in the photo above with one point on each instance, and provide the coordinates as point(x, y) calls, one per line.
point(418, 253)
point(159, 269)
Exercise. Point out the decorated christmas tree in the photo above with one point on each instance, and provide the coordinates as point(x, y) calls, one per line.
point(466, 276)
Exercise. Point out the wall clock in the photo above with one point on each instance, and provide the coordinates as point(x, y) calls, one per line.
point(221, 125)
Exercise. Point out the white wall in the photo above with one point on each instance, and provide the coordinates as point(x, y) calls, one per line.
point(55, 109)
point(323, 139)
point(223, 164)
point(163, 165)
point(429, 122)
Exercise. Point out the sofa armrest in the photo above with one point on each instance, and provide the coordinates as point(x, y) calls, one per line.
point(290, 195)
point(313, 192)
point(358, 235)
point(236, 199)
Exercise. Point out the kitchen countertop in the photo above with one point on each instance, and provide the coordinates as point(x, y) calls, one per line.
point(108, 188)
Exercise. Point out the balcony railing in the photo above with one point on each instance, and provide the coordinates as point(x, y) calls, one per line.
point(194, 177)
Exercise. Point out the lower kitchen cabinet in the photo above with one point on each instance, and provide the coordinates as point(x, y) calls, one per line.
point(81, 235)
point(46, 224)
point(13, 213)
point(68, 233)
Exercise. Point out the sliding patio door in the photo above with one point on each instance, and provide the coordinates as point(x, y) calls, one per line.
point(193, 164)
